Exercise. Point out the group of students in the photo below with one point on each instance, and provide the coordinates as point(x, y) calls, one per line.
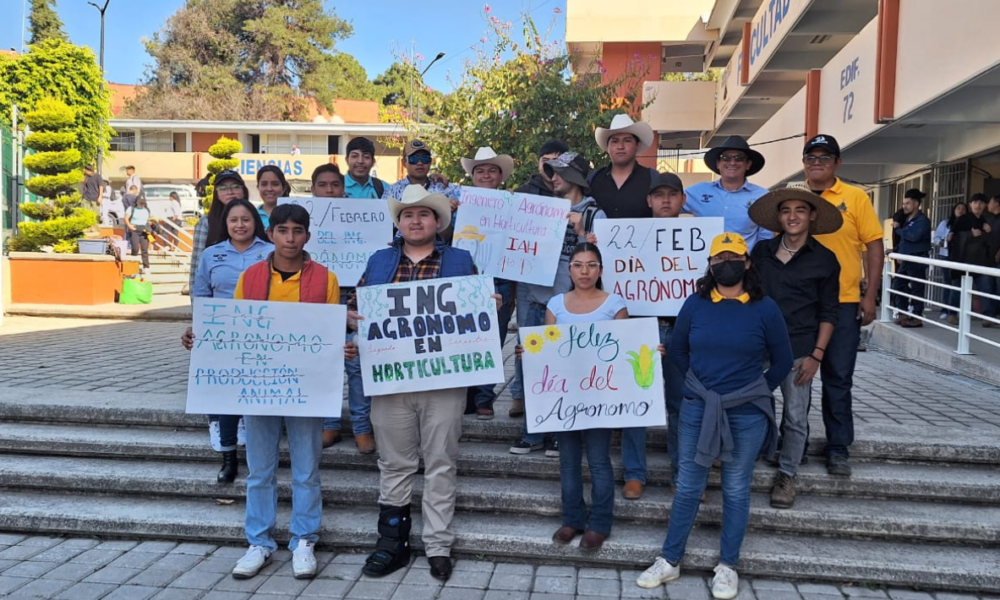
point(764, 316)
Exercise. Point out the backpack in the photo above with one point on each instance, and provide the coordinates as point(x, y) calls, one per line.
point(588, 217)
point(379, 186)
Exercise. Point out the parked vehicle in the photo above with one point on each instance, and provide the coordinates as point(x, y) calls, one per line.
point(158, 196)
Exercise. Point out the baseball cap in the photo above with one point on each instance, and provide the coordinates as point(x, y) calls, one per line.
point(572, 167)
point(414, 146)
point(728, 242)
point(670, 180)
point(824, 141)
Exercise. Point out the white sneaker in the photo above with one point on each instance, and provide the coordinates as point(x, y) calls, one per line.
point(252, 562)
point(725, 584)
point(214, 436)
point(241, 433)
point(659, 573)
point(304, 561)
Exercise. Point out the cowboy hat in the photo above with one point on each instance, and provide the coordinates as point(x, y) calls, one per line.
point(486, 156)
point(764, 211)
point(623, 124)
point(417, 195)
point(734, 142)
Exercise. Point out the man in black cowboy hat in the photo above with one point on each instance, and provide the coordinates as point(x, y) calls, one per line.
point(731, 195)
point(802, 277)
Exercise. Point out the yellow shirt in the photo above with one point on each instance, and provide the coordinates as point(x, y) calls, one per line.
point(288, 290)
point(861, 227)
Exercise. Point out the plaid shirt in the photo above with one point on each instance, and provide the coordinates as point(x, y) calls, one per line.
point(428, 268)
point(198, 243)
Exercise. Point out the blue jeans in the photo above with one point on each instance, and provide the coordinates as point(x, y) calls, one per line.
point(673, 391)
point(305, 445)
point(529, 314)
point(749, 428)
point(486, 394)
point(228, 428)
point(837, 373)
point(360, 405)
point(597, 444)
point(985, 285)
point(950, 297)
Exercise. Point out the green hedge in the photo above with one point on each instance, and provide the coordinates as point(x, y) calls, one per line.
point(49, 186)
point(217, 166)
point(224, 148)
point(32, 236)
point(44, 141)
point(53, 163)
point(50, 115)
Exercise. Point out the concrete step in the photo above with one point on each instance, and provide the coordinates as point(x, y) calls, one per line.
point(161, 279)
point(972, 484)
point(167, 269)
point(498, 537)
point(883, 442)
point(171, 288)
point(812, 515)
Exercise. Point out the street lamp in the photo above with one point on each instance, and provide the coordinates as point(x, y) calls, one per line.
point(439, 56)
point(100, 134)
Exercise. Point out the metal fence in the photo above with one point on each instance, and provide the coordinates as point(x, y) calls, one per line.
point(967, 294)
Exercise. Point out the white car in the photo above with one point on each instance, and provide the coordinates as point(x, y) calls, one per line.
point(158, 197)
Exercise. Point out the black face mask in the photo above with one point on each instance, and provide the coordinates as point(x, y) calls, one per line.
point(729, 272)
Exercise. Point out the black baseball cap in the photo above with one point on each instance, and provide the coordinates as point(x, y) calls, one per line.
point(824, 141)
point(669, 180)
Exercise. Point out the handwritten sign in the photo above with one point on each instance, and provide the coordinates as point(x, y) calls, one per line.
point(345, 233)
point(510, 235)
point(266, 358)
point(605, 375)
point(429, 335)
point(655, 263)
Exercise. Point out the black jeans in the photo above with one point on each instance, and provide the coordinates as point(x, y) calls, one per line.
point(913, 288)
point(139, 239)
point(837, 372)
point(228, 428)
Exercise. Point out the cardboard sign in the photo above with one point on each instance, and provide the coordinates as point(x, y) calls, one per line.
point(429, 335)
point(601, 375)
point(345, 233)
point(266, 358)
point(655, 263)
point(512, 236)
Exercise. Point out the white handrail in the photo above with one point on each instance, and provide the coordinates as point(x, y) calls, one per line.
point(965, 288)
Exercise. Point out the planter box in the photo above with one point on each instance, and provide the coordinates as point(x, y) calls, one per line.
point(78, 279)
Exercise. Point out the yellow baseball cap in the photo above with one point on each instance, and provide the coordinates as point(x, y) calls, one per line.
point(728, 242)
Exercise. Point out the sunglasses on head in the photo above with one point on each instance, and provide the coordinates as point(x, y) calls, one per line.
point(421, 159)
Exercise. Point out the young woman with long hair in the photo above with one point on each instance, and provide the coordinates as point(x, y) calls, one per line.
point(271, 185)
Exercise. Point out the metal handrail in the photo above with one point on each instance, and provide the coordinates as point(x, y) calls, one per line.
point(965, 289)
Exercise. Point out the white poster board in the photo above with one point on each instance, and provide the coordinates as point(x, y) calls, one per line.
point(654, 264)
point(602, 375)
point(345, 233)
point(429, 335)
point(267, 358)
point(512, 236)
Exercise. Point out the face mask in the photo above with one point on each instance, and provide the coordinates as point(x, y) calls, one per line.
point(729, 272)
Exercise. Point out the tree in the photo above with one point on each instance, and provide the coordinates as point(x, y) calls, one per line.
point(222, 151)
point(65, 72)
point(56, 164)
point(402, 91)
point(517, 105)
point(270, 54)
point(710, 75)
point(45, 22)
point(348, 79)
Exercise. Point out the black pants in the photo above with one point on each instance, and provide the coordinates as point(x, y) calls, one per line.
point(228, 429)
point(913, 288)
point(140, 240)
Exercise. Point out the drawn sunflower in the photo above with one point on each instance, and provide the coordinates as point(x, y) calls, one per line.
point(533, 343)
point(552, 333)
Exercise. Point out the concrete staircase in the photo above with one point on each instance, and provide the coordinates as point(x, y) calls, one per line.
point(921, 509)
point(168, 273)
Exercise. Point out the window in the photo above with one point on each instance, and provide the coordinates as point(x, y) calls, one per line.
point(312, 144)
point(157, 141)
point(124, 141)
point(276, 144)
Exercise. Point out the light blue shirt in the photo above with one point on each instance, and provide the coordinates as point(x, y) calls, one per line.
point(353, 189)
point(221, 265)
point(264, 217)
point(710, 199)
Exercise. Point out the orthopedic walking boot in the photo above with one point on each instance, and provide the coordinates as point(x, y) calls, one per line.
point(392, 551)
point(230, 466)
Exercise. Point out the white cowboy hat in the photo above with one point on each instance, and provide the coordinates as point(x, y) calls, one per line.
point(417, 195)
point(486, 156)
point(623, 124)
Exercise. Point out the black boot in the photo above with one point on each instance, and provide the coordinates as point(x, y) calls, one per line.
point(230, 466)
point(392, 551)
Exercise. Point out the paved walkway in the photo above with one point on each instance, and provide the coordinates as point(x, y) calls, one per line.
point(89, 569)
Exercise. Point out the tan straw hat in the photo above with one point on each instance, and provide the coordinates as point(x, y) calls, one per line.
point(764, 210)
point(417, 195)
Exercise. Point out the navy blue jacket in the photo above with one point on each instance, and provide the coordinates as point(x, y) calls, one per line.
point(915, 235)
point(382, 265)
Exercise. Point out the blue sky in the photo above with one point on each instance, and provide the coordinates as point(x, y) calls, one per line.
point(381, 27)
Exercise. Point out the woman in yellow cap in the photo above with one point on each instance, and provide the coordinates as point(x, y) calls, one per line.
point(725, 336)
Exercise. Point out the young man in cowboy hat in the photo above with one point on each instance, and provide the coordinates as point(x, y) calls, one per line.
point(802, 277)
point(862, 230)
point(489, 170)
point(731, 195)
point(569, 180)
point(620, 188)
point(540, 184)
point(411, 425)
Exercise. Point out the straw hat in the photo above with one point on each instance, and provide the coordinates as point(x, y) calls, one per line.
point(764, 210)
point(417, 195)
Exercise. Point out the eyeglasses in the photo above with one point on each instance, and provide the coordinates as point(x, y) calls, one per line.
point(229, 188)
point(589, 265)
point(823, 159)
point(419, 159)
point(733, 158)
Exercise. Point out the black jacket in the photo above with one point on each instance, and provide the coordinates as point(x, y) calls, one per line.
point(536, 185)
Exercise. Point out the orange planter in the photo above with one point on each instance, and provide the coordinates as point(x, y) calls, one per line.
point(79, 279)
